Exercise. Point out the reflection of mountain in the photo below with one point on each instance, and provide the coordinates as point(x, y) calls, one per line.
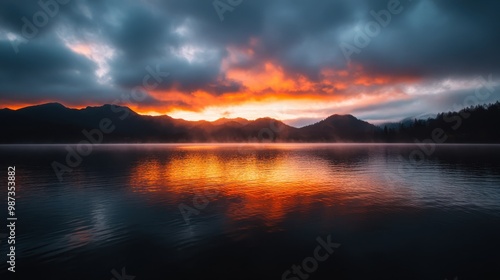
point(54, 123)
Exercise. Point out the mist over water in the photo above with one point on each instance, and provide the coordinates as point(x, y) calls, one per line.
point(259, 210)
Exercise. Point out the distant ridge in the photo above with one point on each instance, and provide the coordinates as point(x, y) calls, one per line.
point(55, 123)
point(222, 121)
point(341, 128)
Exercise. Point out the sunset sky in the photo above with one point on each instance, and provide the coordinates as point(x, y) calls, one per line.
point(294, 60)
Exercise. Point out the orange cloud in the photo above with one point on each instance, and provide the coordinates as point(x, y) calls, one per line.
point(269, 86)
point(268, 89)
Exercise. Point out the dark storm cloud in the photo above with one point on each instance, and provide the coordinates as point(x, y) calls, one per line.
point(427, 38)
point(47, 71)
point(13, 12)
point(437, 38)
point(141, 34)
point(188, 40)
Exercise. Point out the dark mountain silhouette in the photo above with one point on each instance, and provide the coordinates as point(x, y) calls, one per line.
point(238, 121)
point(340, 128)
point(475, 124)
point(55, 123)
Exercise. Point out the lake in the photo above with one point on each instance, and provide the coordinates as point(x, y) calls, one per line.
point(256, 211)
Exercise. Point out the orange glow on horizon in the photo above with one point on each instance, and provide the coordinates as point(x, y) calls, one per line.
point(268, 90)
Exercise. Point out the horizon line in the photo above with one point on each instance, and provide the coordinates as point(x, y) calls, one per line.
point(200, 120)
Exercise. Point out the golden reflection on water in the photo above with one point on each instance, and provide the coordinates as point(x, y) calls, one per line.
point(266, 183)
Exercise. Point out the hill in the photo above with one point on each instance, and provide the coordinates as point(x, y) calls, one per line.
point(55, 123)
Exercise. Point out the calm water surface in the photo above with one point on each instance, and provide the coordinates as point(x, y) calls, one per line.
point(254, 211)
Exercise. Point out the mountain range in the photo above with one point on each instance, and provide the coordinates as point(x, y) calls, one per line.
point(55, 123)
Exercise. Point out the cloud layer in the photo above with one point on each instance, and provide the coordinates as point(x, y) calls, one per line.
point(295, 60)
